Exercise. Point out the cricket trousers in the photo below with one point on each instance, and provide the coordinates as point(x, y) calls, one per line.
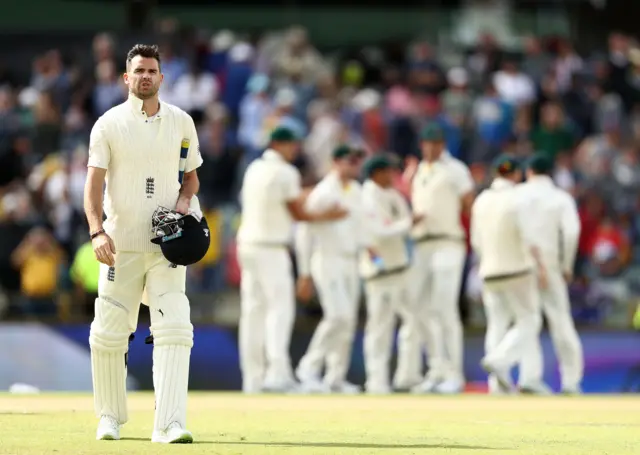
point(512, 310)
point(436, 277)
point(566, 342)
point(267, 316)
point(338, 285)
point(387, 299)
point(120, 292)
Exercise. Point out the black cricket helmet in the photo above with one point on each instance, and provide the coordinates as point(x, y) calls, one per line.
point(183, 239)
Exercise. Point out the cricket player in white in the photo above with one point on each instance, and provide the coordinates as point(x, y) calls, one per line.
point(554, 217)
point(385, 270)
point(327, 255)
point(271, 202)
point(135, 149)
point(441, 190)
point(502, 239)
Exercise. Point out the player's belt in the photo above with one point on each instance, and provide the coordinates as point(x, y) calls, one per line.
point(388, 272)
point(433, 237)
point(507, 276)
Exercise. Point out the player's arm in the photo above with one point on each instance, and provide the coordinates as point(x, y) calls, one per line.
point(297, 204)
point(190, 181)
point(466, 188)
point(475, 230)
point(98, 163)
point(570, 232)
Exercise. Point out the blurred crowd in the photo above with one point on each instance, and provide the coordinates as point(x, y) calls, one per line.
point(581, 110)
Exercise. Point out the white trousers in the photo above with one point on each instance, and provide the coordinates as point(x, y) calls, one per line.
point(120, 292)
point(338, 285)
point(513, 320)
point(267, 316)
point(436, 278)
point(387, 299)
point(557, 309)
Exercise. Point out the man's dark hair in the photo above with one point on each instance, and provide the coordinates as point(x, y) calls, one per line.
point(143, 50)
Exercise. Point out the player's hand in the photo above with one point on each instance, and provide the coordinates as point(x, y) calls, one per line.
point(183, 205)
point(568, 277)
point(334, 213)
point(543, 281)
point(417, 217)
point(304, 288)
point(104, 249)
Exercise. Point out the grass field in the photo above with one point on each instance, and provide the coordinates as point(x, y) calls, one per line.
point(402, 424)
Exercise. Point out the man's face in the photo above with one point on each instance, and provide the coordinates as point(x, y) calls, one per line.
point(384, 177)
point(349, 167)
point(143, 77)
point(288, 149)
point(431, 150)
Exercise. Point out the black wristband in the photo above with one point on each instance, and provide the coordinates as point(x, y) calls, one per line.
point(97, 233)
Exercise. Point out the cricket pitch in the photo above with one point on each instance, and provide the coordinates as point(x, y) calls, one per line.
point(227, 423)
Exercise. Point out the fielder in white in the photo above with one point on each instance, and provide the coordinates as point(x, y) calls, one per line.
point(327, 256)
point(135, 149)
point(442, 189)
point(385, 272)
point(504, 243)
point(271, 199)
point(554, 217)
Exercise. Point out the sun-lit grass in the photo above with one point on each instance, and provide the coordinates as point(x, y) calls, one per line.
point(64, 424)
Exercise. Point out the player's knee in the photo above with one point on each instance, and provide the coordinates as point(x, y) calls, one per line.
point(171, 324)
point(110, 327)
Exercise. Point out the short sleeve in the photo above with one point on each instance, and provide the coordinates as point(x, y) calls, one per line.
point(463, 180)
point(291, 184)
point(99, 150)
point(194, 158)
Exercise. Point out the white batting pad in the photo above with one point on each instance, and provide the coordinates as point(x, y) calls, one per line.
point(109, 384)
point(171, 384)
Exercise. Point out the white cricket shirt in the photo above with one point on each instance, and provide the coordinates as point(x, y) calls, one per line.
point(142, 159)
point(388, 221)
point(436, 192)
point(342, 237)
point(501, 233)
point(554, 217)
point(269, 183)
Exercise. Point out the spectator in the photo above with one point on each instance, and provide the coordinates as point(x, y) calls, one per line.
point(254, 109)
point(493, 121)
point(425, 73)
point(552, 136)
point(536, 61)
point(195, 91)
point(514, 86)
point(173, 66)
point(109, 90)
point(457, 101)
point(567, 63)
point(39, 258)
point(323, 138)
point(239, 71)
point(297, 56)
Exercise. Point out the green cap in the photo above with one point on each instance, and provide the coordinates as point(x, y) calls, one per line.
point(505, 164)
point(540, 164)
point(283, 134)
point(432, 132)
point(377, 163)
point(344, 151)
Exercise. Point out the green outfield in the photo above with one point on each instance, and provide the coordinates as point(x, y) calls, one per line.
point(403, 424)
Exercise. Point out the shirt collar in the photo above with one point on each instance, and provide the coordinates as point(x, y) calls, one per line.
point(541, 180)
point(444, 156)
point(136, 105)
point(271, 154)
point(500, 183)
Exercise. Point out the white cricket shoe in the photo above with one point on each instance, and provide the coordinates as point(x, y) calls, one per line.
point(539, 388)
point(427, 386)
point(575, 390)
point(450, 387)
point(108, 429)
point(378, 390)
point(501, 374)
point(346, 388)
point(174, 434)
